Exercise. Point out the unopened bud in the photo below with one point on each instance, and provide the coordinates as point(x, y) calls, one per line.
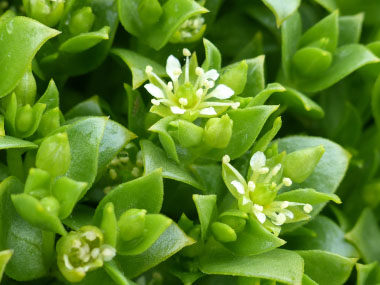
point(218, 132)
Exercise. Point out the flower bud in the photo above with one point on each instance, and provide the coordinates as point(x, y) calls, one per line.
point(26, 89)
point(218, 132)
point(47, 12)
point(81, 21)
point(223, 232)
point(24, 119)
point(49, 122)
point(54, 154)
point(150, 11)
point(51, 205)
point(235, 219)
point(312, 61)
point(187, 133)
point(132, 224)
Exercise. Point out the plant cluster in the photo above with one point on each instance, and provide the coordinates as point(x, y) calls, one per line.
point(141, 143)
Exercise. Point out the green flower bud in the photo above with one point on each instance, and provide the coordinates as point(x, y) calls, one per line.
point(311, 61)
point(82, 21)
point(26, 89)
point(109, 224)
point(235, 219)
point(132, 224)
point(218, 132)
point(223, 232)
point(54, 154)
point(235, 76)
point(51, 205)
point(187, 133)
point(298, 165)
point(49, 122)
point(38, 183)
point(24, 119)
point(47, 12)
point(82, 251)
point(150, 11)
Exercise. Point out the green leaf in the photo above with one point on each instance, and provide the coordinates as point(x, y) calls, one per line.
point(89, 107)
point(142, 193)
point(247, 125)
point(85, 41)
point(375, 103)
point(17, 48)
point(327, 236)
point(155, 226)
point(169, 243)
point(7, 142)
point(137, 64)
point(213, 58)
point(115, 138)
point(154, 158)
point(368, 273)
point(350, 29)
point(299, 103)
point(326, 30)
point(174, 13)
point(206, 208)
point(264, 95)
point(308, 196)
point(327, 268)
point(5, 255)
point(278, 265)
point(51, 96)
point(255, 239)
point(264, 141)
point(347, 59)
point(85, 136)
point(329, 5)
point(366, 236)
point(327, 174)
point(255, 77)
point(31, 257)
point(282, 10)
point(81, 216)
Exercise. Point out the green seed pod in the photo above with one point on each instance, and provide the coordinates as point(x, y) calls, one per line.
point(150, 11)
point(45, 11)
point(186, 95)
point(51, 205)
point(223, 232)
point(49, 122)
point(298, 165)
point(132, 224)
point(235, 76)
point(82, 21)
point(263, 194)
point(187, 133)
point(312, 61)
point(218, 132)
point(24, 119)
point(26, 89)
point(54, 154)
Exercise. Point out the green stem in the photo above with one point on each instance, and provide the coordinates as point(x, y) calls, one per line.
point(114, 272)
point(15, 163)
point(48, 247)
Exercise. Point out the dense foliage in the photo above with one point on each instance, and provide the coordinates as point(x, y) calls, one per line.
point(190, 142)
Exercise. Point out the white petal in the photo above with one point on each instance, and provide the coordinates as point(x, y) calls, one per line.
point(288, 213)
point(239, 187)
point(208, 111)
point(258, 161)
point(245, 201)
point(172, 64)
point(222, 92)
point(261, 217)
point(211, 74)
point(154, 91)
point(177, 110)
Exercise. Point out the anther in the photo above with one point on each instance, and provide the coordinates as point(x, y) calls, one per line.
point(287, 181)
point(226, 159)
point(186, 52)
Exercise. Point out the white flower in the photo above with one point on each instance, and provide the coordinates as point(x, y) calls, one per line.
point(190, 93)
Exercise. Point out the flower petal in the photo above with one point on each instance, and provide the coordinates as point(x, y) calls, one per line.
point(258, 161)
point(221, 92)
point(211, 74)
point(172, 64)
point(260, 216)
point(154, 91)
point(239, 187)
point(208, 111)
point(177, 110)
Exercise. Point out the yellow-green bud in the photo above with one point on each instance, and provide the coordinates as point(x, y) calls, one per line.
point(263, 194)
point(223, 232)
point(49, 122)
point(47, 12)
point(132, 224)
point(312, 61)
point(82, 21)
point(24, 119)
point(51, 205)
point(26, 89)
point(218, 132)
point(54, 154)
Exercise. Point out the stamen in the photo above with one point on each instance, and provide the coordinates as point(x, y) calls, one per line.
point(226, 159)
point(170, 86)
point(245, 201)
point(276, 169)
point(113, 174)
point(281, 218)
point(284, 205)
point(235, 105)
point(177, 72)
point(135, 172)
point(90, 236)
point(287, 181)
point(183, 101)
point(308, 208)
point(211, 84)
point(251, 186)
point(199, 71)
point(95, 253)
point(108, 253)
point(148, 69)
point(67, 262)
point(199, 92)
point(264, 170)
point(186, 52)
point(258, 207)
point(76, 243)
point(124, 159)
